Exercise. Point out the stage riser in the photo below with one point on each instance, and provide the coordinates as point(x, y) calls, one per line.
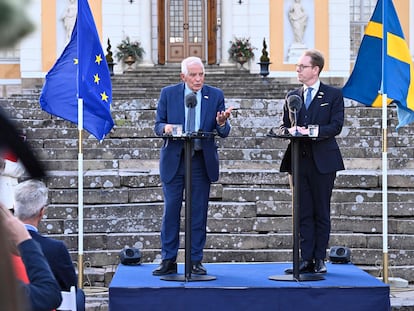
point(248, 287)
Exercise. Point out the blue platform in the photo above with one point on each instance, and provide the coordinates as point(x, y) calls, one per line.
point(246, 286)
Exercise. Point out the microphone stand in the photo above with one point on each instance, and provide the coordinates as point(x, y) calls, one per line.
point(188, 138)
point(297, 133)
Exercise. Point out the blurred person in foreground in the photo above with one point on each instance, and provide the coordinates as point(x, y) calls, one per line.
point(319, 158)
point(13, 170)
point(31, 199)
point(210, 116)
point(43, 292)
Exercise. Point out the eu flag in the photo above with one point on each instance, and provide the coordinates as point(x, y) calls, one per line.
point(397, 78)
point(81, 72)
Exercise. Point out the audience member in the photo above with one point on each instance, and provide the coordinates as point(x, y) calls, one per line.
point(43, 292)
point(13, 169)
point(10, 297)
point(31, 197)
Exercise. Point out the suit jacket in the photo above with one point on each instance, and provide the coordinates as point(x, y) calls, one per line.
point(171, 110)
point(43, 292)
point(326, 110)
point(59, 260)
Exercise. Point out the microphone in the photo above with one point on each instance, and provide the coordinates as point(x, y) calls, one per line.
point(294, 103)
point(191, 100)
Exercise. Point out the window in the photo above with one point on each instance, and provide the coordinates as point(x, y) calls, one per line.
point(10, 54)
point(360, 11)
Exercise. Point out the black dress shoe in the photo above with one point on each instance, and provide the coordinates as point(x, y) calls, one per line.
point(166, 267)
point(198, 268)
point(320, 266)
point(305, 266)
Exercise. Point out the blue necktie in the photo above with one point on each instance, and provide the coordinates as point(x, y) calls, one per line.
point(191, 116)
point(191, 119)
point(308, 98)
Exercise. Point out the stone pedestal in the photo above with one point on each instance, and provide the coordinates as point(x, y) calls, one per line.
point(295, 51)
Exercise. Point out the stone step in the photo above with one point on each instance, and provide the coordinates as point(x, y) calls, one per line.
point(254, 242)
point(248, 148)
point(105, 164)
point(253, 194)
point(399, 224)
point(147, 175)
point(229, 225)
point(360, 256)
point(261, 208)
point(148, 83)
point(354, 111)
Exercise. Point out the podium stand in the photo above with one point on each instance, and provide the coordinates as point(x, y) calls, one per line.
point(188, 149)
point(295, 276)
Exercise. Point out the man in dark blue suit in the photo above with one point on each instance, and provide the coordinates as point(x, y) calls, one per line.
point(210, 116)
point(30, 205)
point(320, 158)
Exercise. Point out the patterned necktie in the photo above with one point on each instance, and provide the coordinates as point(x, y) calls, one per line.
point(308, 98)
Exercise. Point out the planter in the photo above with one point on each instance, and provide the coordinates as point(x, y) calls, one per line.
point(264, 68)
point(129, 60)
point(242, 60)
point(111, 68)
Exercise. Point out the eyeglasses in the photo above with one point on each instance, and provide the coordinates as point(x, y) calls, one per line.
point(301, 67)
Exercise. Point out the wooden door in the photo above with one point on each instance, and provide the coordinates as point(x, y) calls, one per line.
point(185, 29)
point(193, 41)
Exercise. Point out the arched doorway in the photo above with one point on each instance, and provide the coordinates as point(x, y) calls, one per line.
point(187, 28)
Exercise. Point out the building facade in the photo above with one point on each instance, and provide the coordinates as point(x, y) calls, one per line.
point(170, 30)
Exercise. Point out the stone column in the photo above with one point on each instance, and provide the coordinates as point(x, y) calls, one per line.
point(226, 31)
point(145, 31)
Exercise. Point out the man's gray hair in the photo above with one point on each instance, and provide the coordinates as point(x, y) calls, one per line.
point(30, 197)
point(188, 61)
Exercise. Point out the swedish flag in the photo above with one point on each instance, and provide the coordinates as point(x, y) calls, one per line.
point(81, 72)
point(392, 74)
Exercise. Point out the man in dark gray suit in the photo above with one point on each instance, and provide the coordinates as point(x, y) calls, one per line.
point(31, 198)
point(320, 158)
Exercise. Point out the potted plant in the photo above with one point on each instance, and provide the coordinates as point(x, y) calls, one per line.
point(109, 59)
point(264, 61)
point(129, 51)
point(241, 50)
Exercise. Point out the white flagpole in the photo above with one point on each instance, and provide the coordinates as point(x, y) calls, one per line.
point(384, 150)
point(80, 195)
point(80, 163)
point(384, 189)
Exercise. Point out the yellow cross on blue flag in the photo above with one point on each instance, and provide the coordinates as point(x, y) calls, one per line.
point(393, 74)
point(81, 72)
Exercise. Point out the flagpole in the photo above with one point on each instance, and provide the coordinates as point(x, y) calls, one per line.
point(384, 150)
point(80, 195)
point(80, 159)
point(384, 189)
point(82, 61)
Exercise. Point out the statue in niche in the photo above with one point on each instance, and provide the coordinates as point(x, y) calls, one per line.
point(69, 18)
point(298, 20)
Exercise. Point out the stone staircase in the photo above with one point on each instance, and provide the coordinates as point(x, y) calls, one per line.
point(250, 208)
point(146, 82)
